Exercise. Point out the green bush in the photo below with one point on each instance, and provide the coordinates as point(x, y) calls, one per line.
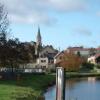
point(87, 66)
point(98, 66)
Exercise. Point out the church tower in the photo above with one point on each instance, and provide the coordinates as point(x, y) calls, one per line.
point(38, 42)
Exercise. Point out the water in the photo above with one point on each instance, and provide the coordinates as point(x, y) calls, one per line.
point(78, 89)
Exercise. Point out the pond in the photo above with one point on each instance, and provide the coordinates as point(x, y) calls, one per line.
point(78, 89)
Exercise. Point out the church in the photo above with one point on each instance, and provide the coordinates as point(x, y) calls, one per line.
point(45, 54)
point(38, 46)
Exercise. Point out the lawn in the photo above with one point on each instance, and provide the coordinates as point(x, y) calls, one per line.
point(31, 87)
point(28, 87)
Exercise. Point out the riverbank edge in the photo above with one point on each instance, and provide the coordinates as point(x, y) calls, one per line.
point(50, 81)
point(72, 75)
point(47, 86)
point(28, 86)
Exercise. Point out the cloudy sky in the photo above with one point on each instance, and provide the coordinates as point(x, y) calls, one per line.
point(63, 23)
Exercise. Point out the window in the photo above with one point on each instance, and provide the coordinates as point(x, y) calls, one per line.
point(51, 61)
point(60, 57)
point(43, 61)
point(43, 67)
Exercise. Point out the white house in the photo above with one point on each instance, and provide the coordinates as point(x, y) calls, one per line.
point(42, 62)
point(58, 57)
point(91, 60)
point(95, 59)
point(46, 58)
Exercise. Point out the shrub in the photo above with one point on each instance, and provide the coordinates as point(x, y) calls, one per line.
point(98, 66)
point(87, 65)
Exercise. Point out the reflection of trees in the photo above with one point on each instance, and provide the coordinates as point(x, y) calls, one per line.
point(70, 83)
point(98, 78)
point(92, 79)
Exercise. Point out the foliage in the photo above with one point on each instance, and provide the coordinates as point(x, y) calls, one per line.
point(78, 53)
point(87, 65)
point(4, 22)
point(30, 87)
point(92, 51)
point(70, 62)
point(14, 53)
point(98, 66)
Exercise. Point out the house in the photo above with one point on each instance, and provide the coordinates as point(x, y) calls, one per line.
point(44, 54)
point(98, 50)
point(48, 50)
point(46, 57)
point(58, 57)
point(79, 50)
point(95, 59)
point(42, 62)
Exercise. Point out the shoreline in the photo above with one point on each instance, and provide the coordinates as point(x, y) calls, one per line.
point(38, 85)
point(72, 75)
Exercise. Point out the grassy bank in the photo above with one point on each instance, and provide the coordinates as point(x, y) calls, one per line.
point(32, 87)
point(28, 87)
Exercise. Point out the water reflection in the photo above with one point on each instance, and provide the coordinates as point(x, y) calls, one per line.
point(79, 89)
point(92, 79)
point(70, 84)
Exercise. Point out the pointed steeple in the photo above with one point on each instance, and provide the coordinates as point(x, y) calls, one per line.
point(38, 30)
point(39, 42)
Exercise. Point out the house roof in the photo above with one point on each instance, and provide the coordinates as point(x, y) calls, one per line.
point(49, 52)
point(78, 49)
point(59, 54)
point(98, 48)
point(97, 55)
point(49, 47)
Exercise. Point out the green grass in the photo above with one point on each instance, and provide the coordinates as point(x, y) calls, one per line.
point(6, 89)
point(29, 87)
point(32, 87)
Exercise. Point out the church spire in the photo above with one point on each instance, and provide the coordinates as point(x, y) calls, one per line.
point(39, 42)
point(38, 30)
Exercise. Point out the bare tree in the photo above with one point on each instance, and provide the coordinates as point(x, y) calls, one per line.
point(4, 23)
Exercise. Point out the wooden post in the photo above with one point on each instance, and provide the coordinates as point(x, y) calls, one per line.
point(60, 83)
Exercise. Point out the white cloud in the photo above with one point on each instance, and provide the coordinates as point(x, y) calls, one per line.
point(83, 31)
point(38, 11)
point(22, 11)
point(69, 5)
point(98, 13)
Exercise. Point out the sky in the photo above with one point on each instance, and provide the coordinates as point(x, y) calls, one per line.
point(63, 23)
